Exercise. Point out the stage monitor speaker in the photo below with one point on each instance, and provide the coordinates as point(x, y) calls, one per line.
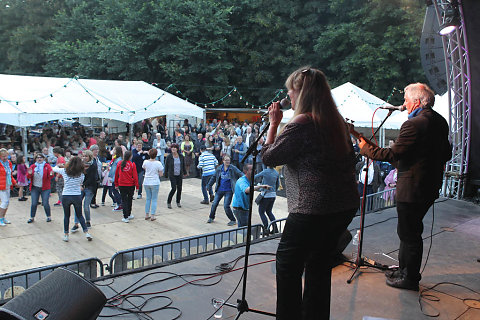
point(63, 294)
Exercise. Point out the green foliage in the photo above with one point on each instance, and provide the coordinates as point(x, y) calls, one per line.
point(25, 27)
point(204, 46)
point(189, 44)
point(375, 45)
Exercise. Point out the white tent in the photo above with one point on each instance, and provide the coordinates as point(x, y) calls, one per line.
point(441, 106)
point(353, 103)
point(26, 100)
point(357, 104)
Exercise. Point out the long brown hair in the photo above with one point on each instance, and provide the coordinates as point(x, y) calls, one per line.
point(126, 157)
point(118, 152)
point(315, 98)
point(74, 167)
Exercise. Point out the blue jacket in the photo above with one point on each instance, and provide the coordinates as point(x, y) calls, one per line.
point(270, 177)
point(234, 174)
point(113, 168)
point(138, 159)
point(239, 155)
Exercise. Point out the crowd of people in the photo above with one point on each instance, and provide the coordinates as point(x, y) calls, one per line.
point(213, 152)
point(123, 169)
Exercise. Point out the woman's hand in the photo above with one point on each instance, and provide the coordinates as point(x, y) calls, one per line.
point(275, 115)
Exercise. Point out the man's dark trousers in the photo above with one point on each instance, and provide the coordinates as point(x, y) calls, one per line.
point(409, 230)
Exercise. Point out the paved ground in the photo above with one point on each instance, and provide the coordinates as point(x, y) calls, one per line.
point(24, 246)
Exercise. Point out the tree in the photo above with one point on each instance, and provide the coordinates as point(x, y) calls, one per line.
point(190, 46)
point(374, 45)
point(24, 29)
point(100, 39)
point(205, 47)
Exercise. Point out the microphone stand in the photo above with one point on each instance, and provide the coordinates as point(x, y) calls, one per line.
point(242, 305)
point(359, 262)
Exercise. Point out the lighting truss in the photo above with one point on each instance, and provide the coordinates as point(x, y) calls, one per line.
point(459, 99)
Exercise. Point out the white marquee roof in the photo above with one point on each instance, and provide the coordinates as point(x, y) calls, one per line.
point(27, 100)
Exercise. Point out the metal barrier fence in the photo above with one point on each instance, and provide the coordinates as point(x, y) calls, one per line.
point(12, 284)
point(375, 202)
point(379, 201)
point(160, 253)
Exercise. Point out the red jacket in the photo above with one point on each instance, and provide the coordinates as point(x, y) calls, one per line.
point(47, 176)
point(128, 176)
point(3, 177)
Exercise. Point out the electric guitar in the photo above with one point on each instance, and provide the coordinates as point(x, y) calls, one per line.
point(356, 134)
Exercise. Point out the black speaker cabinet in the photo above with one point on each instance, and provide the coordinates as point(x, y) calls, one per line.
point(61, 295)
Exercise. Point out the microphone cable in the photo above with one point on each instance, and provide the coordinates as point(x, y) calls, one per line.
point(431, 238)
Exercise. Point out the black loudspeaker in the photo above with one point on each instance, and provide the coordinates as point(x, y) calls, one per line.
point(431, 52)
point(63, 294)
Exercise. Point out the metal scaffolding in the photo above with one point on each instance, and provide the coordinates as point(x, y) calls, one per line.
point(459, 95)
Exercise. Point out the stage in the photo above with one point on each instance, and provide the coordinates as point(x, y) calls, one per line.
point(452, 268)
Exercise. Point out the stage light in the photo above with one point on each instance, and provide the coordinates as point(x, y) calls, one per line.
point(451, 19)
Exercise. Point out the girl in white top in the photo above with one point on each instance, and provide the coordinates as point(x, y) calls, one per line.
point(151, 182)
point(72, 193)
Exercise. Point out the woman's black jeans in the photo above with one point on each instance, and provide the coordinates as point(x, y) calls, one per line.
point(127, 196)
point(76, 201)
point(306, 245)
point(266, 206)
point(176, 184)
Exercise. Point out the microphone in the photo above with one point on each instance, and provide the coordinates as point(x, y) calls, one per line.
point(284, 105)
point(394, 108)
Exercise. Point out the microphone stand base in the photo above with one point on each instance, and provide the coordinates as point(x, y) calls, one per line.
point(242, 307)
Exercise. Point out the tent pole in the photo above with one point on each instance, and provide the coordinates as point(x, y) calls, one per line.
point(383, 137)
point(380, 138)
point(130, 135)
point(24, 143)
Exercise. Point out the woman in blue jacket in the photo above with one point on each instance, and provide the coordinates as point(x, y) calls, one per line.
point(238, 152)
point(118, 154)
point(225, 178)
point(269, 177)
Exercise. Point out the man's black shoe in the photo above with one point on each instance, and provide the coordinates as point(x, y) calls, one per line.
point(393, 273)
point(94, 206)
point(402, 283)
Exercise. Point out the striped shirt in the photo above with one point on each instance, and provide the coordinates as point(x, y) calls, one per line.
point(72, 185)
point(207, 163)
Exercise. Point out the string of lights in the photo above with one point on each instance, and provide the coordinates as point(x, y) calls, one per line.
point(354, 93)
point(232, 90)
point(50, 95)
